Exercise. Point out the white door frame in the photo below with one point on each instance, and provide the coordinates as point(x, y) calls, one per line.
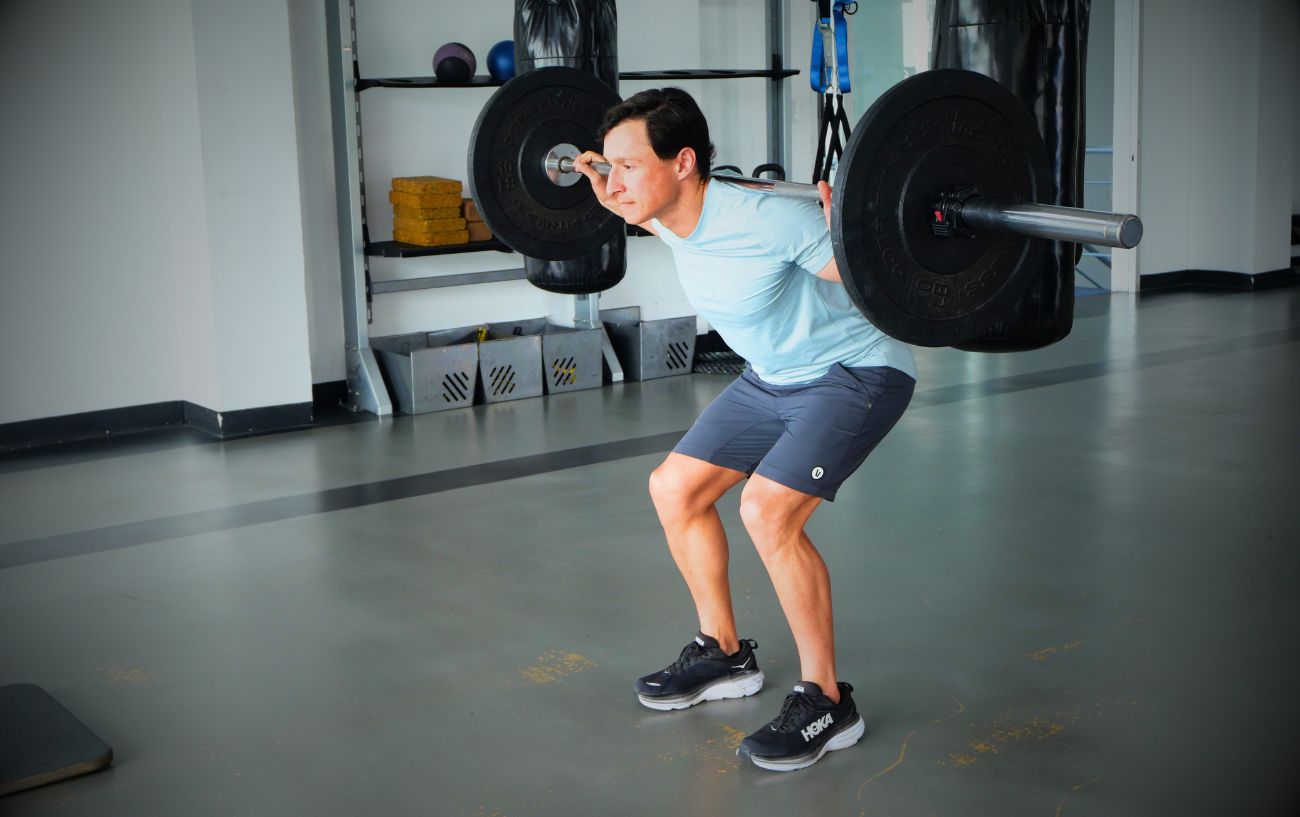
point(1127, 136)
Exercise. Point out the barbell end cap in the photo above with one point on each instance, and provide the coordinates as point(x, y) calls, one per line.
point(1130, 232)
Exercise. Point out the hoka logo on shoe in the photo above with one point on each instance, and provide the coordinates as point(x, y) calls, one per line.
point(815, 728)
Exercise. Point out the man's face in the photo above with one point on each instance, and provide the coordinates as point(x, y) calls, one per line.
point(643, 184)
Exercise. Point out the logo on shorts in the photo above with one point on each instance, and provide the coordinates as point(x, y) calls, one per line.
point(818, 472)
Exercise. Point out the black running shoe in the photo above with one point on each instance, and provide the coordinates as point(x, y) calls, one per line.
point(703, 672)
point(808, 727)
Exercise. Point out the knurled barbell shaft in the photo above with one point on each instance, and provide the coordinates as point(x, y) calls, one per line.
point(1122, 230)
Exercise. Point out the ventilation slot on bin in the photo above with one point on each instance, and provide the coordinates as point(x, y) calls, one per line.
point(564, 372)
point(679, 356)
point(503, 380)
point(457, 387)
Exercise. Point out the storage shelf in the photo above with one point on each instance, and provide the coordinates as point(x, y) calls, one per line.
point(481, 81)
point(709, 73)
point(398, 249)
point(485, 81)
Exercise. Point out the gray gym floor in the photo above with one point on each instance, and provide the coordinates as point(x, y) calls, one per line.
point(1065, 585)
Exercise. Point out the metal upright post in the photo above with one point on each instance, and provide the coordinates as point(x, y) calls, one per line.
point(366, 390)
point(777, 87)
point(586, 314)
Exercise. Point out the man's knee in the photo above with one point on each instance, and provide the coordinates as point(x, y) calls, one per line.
point(680, 489)
point(759, 514)
point(670, 490)
point(772, 513)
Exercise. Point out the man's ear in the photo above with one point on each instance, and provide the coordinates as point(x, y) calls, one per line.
point(685, 162)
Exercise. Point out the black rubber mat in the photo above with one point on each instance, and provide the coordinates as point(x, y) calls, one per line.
point(41, 742)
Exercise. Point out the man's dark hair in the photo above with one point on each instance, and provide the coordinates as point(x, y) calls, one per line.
point(672, 120)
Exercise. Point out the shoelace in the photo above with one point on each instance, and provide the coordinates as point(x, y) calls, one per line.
point(691, 653)
point(796, 703)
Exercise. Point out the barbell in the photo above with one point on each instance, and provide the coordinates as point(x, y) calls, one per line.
point(939, 218)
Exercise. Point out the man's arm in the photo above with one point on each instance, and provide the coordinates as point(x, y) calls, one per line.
point(831, 272)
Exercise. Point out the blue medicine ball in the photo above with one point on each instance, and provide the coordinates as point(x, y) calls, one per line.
point(501, 60)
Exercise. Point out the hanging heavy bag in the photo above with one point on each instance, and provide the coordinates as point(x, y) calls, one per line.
point(580, 34)
point(1038, 50)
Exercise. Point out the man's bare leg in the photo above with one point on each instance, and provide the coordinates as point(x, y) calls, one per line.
point(775, 517)
point(685, 492)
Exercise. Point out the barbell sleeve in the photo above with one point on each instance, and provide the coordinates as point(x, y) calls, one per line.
point(1122, 230)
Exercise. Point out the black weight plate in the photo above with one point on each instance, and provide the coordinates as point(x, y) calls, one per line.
point(931, 132)
point(522, 121)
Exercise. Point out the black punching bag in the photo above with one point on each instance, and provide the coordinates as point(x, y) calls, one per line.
point(580, 34)
point(1038, 49)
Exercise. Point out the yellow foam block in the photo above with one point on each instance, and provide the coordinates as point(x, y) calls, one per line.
point(437, 225)
point(425, 201)
point(471, 211)
point(431, 239)
point(425, 213)
point(426, 184)
point(478, 231)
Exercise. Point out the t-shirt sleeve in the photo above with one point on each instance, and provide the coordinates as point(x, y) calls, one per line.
point(810, 242)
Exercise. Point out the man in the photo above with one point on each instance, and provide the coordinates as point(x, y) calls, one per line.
point(823, 387)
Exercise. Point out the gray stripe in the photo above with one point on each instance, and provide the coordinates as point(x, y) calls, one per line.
point(32, 551)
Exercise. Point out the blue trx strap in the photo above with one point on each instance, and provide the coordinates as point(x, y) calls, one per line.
point(832, 82)
point(822, 74)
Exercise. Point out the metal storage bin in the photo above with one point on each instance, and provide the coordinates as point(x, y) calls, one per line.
point(430, 371)
point(509, 363)
point(650, 349)
point(571, 357)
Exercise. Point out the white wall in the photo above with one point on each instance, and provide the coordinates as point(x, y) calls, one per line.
point(152, 231)
point(1216, 128)
point(251, 189)
point(1278, 128)
point(1293, 69)
point(316, 179)
point(107, 298)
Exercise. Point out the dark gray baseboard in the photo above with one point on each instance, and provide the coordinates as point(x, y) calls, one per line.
point(1183, 280)
point(231, 425)
point(175, 414)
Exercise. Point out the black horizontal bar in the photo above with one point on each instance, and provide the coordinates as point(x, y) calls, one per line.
point(481, 81)
point(399, 249)
point(485, 81)
point(709, 73)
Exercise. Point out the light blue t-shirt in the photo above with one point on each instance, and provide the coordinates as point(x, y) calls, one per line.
point(750, 268)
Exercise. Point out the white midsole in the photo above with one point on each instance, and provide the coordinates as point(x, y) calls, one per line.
point(741, 687)
point(843, 740)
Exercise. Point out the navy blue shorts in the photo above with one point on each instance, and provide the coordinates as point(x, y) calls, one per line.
point(810, 436)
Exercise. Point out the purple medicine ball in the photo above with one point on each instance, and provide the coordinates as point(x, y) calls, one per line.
point(458, 50)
